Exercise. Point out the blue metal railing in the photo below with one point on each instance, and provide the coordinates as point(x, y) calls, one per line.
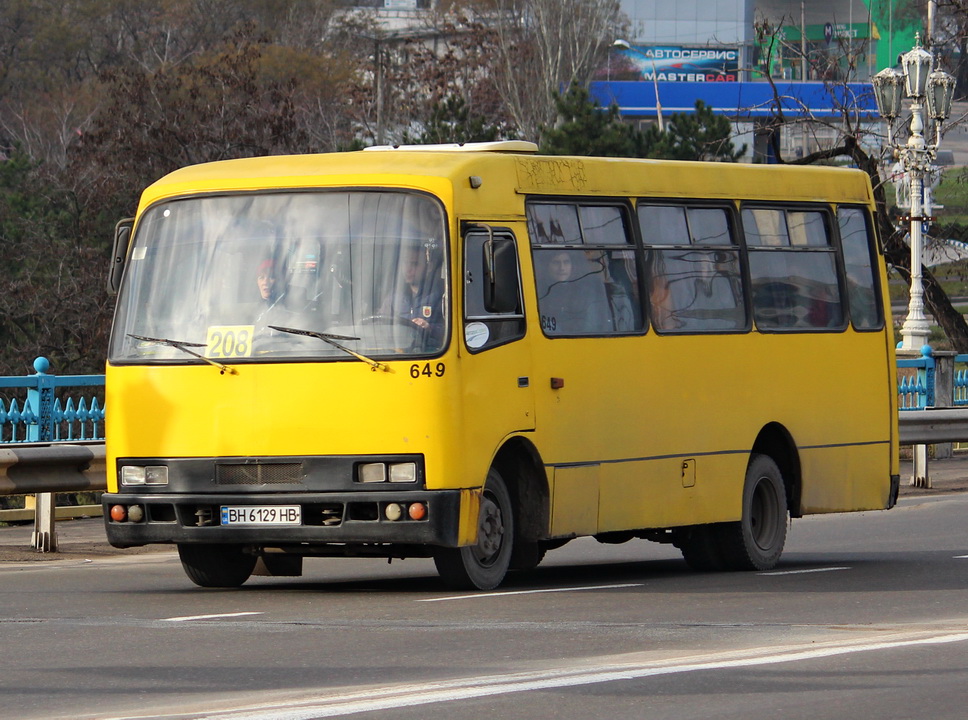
point(48, 411)
point(961, 381)
point(915, 381)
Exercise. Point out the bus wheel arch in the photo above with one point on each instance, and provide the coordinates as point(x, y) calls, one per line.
point(775, 441)
point(520, 464)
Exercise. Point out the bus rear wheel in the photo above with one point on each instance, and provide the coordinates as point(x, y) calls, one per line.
point(482, 566)
point(756, 541)
point(216, 566)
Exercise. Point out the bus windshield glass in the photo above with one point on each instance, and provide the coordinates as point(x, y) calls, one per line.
point(219, 274)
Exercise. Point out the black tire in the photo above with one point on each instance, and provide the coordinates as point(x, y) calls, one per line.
point(756, 541)
point(700, 548)
point(216, 566)
point(484, 565)
point(527, 555)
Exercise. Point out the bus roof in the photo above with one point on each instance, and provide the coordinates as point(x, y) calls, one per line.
point(492, 171)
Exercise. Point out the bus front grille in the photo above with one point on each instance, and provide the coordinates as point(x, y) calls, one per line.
point(259, 474)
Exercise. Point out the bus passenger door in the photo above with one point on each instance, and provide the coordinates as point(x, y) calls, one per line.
point(497, 384)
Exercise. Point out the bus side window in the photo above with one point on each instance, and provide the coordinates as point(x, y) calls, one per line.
point(859, 262)
point(586, 275)
point(693, 263)
point(793, 269)
point(493, 313)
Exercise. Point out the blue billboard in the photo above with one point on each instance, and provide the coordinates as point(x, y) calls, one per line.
point(675, 63)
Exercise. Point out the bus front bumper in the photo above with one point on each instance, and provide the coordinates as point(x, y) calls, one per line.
point(350, 519)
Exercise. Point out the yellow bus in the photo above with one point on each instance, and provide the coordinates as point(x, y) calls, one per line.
point(476, 353)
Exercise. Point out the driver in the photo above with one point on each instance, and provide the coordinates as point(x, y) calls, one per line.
point(271, 293)
point(418, 296)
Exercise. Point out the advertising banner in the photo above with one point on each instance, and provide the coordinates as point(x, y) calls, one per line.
point(675, 63)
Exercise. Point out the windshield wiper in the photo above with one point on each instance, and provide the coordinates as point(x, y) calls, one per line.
point(183, 346)
point(331, 340)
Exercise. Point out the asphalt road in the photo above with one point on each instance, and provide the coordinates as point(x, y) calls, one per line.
point(866, 617)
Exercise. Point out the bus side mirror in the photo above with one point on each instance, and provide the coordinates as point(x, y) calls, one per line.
point(122, 236)
point(501, 276)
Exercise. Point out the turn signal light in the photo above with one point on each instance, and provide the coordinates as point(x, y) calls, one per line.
point(417, 511)
point(119, 513)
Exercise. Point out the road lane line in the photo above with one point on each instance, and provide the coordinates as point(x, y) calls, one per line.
point(186, 618)
point(531, 592)
point(461, 689)
point(961, 557)
point(803, 572)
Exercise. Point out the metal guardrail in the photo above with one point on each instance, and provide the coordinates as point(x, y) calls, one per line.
point(46, 470)
point(52, 469)
point(933, 426)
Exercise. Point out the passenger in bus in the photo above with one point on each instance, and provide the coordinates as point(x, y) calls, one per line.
point(571, 295)
point(619, 288)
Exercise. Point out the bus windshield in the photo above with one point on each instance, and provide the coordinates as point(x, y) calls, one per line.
point(222, 273)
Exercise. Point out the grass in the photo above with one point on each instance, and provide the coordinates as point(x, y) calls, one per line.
point(951, 192)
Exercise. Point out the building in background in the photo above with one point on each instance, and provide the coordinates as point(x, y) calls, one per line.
point(819, 54)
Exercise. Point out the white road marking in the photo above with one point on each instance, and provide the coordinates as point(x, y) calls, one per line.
point(961, 557)
point(804, 572)
point(186, 618)
point(411, 695)
point(531, 592)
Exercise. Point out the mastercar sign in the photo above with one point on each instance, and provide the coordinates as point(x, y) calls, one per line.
point(677, 63)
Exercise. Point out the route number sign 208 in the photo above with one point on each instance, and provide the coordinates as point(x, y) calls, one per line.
point(229, 341)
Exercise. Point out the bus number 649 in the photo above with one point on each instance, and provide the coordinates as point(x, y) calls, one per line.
point(416, 370)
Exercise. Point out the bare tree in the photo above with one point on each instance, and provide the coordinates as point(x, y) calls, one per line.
point(542, 46)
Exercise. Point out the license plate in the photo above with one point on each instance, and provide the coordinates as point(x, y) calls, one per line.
point(261, 515)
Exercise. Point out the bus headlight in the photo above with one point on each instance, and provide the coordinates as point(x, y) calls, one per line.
point(373, 473)
point(144, 474)
point(405, 472)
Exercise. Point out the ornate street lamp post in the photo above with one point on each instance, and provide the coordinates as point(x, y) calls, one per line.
point(935, 90)
point(624, 45)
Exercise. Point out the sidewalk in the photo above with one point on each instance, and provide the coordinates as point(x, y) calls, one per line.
point(77, 540)
point(85, 539)
point(950, 475)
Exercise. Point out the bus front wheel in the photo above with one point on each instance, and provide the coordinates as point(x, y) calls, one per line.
point(482, 566)
point(756, 541)
point(216, 566)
